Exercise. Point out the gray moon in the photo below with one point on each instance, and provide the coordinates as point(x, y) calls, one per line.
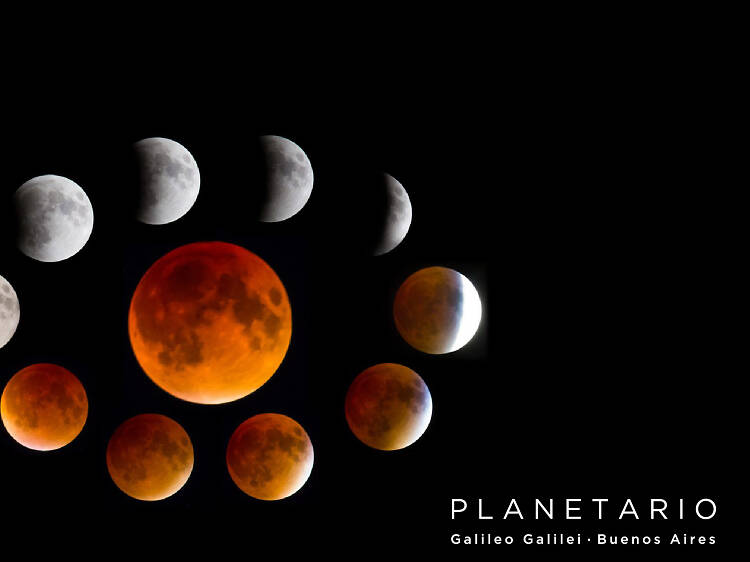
point(55, 218)
point(398, 216)
point(10, 311)
point(289, 178)
point(169, 180)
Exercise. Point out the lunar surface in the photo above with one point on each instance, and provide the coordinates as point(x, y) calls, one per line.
point(55, 218)
point(270, 456)
point(150, 457)
point(288, 179)
point(388, 406)
point(437, 310)
point(10, 311)
point(44, 407)
point(169, 180)
point(396, 218)
point(210, 322)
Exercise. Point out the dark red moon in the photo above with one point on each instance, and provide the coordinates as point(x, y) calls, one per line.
point(150, 457)
point(210, 322)
point(44, 407)
point(388, 406)
point(270, 456)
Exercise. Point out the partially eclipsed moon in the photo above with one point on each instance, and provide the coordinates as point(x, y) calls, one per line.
point(210, 322)
point(388, 406)
point(437, 310)
point(169, 180)
point(397, 217)
point(10, 311)
point(270, 456)
point(150, 457)
point(55, 218)
point(44, 407)
point(288, 179)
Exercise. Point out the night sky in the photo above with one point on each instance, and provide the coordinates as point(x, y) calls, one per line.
point(595, 371)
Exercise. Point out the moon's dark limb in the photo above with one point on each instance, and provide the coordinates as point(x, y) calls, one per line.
point(10, 311)
point(282, 179)
point(388, 406)
point(169, 180)
point(54, 218)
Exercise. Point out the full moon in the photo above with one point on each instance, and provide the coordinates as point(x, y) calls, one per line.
point(10, 311)
point(270, 456)
point(437, 310)
point(169, 180)
point(55, 218)
point(210, 322)
point(288, 179)
point(388, 406)
point(44, 407)
point(150, 457)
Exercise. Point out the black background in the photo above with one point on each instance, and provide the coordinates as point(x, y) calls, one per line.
point(596, 371)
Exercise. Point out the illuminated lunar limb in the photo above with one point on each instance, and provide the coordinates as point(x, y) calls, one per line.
point(437, 310)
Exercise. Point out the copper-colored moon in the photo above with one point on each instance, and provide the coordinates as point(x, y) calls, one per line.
point(210, 322)
point(270, 456)
point(388, 406)
point(150, 457)
point(44, 407)
point(437, 310)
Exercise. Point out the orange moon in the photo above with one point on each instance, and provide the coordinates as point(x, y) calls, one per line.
point(270, 456)
point(44, 407)
point(150, 457)
point(210, 322)
point(437, 310)
point(388, 406)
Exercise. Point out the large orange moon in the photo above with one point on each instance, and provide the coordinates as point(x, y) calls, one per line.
point(270, 456)
point(150, 457)
point(437, 310)
point(44, 407)
point(210, 322)
point(388, 406)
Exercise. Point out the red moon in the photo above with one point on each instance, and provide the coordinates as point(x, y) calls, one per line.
point(150, 457)
point(210, 322)
point(270, 456)
point(44, 407)
point(388, 406)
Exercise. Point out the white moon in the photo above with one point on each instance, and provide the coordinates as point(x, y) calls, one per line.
point(169, 180)
point(55, 218)
point(398, 216)
point(289, 178)
point(10, 311)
